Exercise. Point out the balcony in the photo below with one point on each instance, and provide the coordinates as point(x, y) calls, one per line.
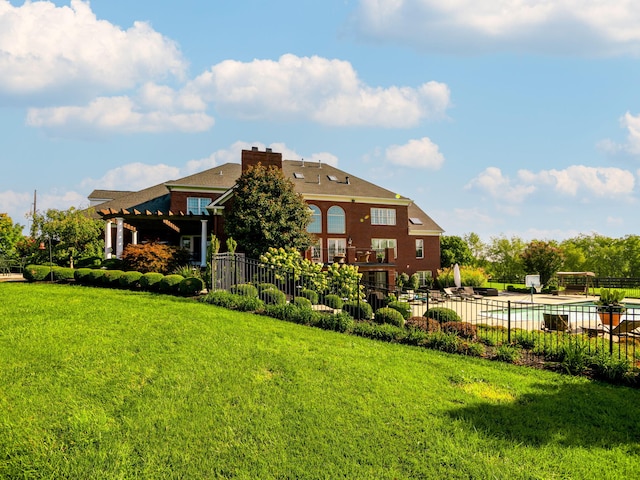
point(353, 256)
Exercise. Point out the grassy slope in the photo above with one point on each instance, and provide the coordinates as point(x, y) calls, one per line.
point(109, 384)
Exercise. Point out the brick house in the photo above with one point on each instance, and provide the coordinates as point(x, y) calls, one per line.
point(354, 221)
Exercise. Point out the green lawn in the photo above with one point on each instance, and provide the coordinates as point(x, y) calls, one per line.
point(104, 384)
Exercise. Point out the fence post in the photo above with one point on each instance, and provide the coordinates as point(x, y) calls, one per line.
point(610, 310)
point(509, 321)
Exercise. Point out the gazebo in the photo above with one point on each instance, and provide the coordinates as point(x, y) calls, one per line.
point(576, 282)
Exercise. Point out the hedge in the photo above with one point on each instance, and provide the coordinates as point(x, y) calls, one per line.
point(151, 281)
point(190, 286)
point(169, 283)
point(36, 273)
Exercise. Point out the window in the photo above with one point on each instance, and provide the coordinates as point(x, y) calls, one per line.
point(197, 205)
point(419, 248)
point(193, 245)
point(316, 252)
point(425, 278)
point(383, 216)
point(336, 246)
point(335, 220)
point(315, 225)
point(379, 244)
point(415, 221)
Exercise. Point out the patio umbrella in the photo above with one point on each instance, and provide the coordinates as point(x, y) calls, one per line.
point(456, 276)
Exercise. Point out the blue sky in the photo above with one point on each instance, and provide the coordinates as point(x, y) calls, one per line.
point(504, 117)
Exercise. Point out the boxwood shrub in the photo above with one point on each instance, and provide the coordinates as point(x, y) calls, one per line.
point(312, 295)
point(339, 322)
point(245, 289)
point(333, 301)
point(389, 315)
point(111, 278)
point(36, 273)
point(169, 283)
point(63, 274)
point(442, 314)
point(266, 286)
point(95, 277)
point(302, 302)
point(403, 307)
point(385, 332)
point(190, 286)
point(359, 310)
point(273, 297)
point(150, 281)
point(462, 329)
point(130, 280)
point(81, 275)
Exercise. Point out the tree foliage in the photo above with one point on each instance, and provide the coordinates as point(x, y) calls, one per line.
point(454, 250)
point(267, 212)
point(153, 257)
point(505, 256)
point(73, 234)
point(543, 258)
point(10, 236)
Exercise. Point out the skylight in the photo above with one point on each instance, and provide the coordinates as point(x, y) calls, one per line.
point(415, 220)
point(333, 178)
point(298, 175)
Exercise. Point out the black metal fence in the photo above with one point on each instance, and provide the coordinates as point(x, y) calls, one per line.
point(539, 327)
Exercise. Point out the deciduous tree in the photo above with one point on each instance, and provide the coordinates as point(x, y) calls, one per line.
point(543, 258)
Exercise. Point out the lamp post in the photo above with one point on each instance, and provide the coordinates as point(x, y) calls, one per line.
point(42, 247)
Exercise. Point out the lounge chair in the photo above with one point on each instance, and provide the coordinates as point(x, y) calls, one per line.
point(468, 291)
point(555, 322)
point(436, 296)
point(451, 295)
point(626, 328)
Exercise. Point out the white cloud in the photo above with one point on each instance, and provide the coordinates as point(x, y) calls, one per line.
point(422, 153)
point(632, 145)
point(499, 186)
point(591, 181)
point(16, 205)
point(586, 27)
point(49, 48)
point(119, 115)
point(133, 176)
point(317, 89)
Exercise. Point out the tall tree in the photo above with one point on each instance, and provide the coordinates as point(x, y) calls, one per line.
point(478, 249)
point(10, 235)
point(73, 234)
point(454, 250)
point(267, 212)
point(543, 258)
point(505, 258)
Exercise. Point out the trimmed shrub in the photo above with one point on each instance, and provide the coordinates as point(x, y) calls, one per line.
point(221, 298)
point(403, 307)
point(113, 264)
point(81, 275)
point(190, 286)
point(130, 280)
point(36, 273)
point(266, 286)
point(95, 277)
point(302, 302)
point(282, 311)
point(88, 262)
point(333, 301)
point(111, 278)
point(169, 283)
point(63, 274)
point(150, 281)
point(423, 323)
point(359, 310)
point(384, 332)
point(310, 294)
point(473, 349)
point(389, 315)
point(245, 289)
point(442, 314)
point(415, 336)
point(339, 322)
point(462, 329)
point(445, 342)
point(273, 297)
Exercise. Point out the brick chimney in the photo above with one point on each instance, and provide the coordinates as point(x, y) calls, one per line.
point(267, 158)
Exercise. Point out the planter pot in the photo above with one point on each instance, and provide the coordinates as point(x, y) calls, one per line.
point(610, 317)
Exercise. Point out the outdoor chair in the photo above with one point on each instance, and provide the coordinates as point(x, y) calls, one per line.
point(468, 291)
point(451, 295)
point(626, 328)
point(555, 322)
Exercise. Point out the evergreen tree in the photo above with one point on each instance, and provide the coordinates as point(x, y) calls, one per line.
point(267, 212)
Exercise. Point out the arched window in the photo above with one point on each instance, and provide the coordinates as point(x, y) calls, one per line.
point(335, 220)
point(315, 225)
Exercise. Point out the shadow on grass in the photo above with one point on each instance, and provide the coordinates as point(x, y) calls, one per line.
point(573, 415)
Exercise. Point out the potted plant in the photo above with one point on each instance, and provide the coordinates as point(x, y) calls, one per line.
point(610, 307)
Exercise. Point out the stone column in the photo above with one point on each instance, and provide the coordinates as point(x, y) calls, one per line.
point(107, 239)
point(203, 244)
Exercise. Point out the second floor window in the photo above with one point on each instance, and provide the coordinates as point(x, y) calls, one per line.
point(315, 225)
point(197, 205)
point(419, 248)
point(383, 216)
point(335, 220)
